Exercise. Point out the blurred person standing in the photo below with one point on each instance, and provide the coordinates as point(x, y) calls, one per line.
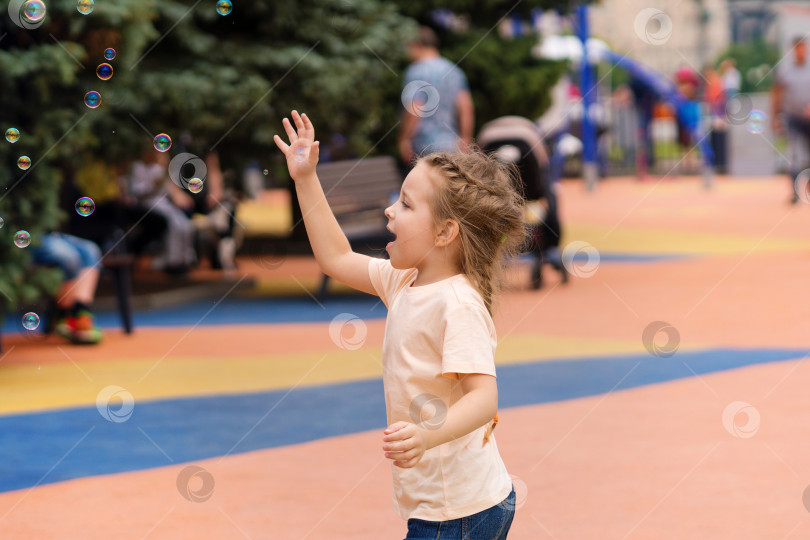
point(716, 98)
point(732, 80)
point(625, 125)
point(791, 108)
point(438, 110)
point(688, 114)
point(645, 100)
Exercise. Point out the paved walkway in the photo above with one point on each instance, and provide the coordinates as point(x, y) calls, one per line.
point(283, 420)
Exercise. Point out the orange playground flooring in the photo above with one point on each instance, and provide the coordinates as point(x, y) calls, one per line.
point(727, 268)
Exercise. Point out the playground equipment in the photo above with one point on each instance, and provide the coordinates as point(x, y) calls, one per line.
point(585, 52)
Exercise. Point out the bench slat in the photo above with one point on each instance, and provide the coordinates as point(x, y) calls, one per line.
point(359, 192)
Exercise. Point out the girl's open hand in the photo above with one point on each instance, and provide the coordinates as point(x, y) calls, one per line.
point(405, 443)
point(302, 152)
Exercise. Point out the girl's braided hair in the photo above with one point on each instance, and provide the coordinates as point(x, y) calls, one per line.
point(481, 194)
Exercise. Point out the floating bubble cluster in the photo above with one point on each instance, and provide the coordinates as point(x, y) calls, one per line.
point(12, 135)
point(104, 72)
point(92, 99)
point(22, 239)
point(85, 206)
point(24, 162)
point(30, 321)
point(224, 7)
point(162, 142)
point(86, 7)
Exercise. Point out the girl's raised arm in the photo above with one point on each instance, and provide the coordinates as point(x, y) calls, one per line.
point(329, 243)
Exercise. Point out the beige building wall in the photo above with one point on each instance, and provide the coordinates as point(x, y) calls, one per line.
point(663, 34)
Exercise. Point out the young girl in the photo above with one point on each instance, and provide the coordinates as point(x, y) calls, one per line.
point(456, 219)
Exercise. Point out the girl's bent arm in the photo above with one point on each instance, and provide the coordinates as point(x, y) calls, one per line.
point(477, 407)
point(406, 443)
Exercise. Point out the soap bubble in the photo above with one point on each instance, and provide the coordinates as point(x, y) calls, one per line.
point(85, 206)
point(109, 54)
point(195, 185)
point(92, 99)
point(756, 122)
point(12, 135)
point(34, 11)
point(162, 142)
point(22, 239)
point(2, 222)
point(30, 321)
point(224, 7)
point(28, 14)
point(104, 72)
point(24, 162)
point(266, 172)
point(85, 7)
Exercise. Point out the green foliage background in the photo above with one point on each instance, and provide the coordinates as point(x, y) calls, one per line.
point(226, 81)
point(756, 58)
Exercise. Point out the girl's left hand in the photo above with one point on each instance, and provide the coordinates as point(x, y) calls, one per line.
point(405, 443)
point(302, 152)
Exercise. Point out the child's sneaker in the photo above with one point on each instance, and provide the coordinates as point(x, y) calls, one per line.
point(79, 328)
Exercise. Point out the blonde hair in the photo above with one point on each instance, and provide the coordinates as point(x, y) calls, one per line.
point(480, 193)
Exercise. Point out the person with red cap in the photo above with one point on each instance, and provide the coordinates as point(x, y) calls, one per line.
point(688, 117)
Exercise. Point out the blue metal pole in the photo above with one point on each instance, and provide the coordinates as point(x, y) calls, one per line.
point(588, 91)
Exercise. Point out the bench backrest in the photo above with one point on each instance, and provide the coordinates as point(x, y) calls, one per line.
point(359, 190)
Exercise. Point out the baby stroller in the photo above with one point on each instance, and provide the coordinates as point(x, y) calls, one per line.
point(515, 139)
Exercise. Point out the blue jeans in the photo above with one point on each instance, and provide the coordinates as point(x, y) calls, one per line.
point(490, 524)
point(69, 253)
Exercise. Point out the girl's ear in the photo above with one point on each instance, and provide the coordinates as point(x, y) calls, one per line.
point(447, 233)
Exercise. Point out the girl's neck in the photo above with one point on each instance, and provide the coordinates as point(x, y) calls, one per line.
point(426, 276)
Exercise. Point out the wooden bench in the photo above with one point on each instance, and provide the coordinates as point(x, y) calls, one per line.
point(358, 192)
point(120, 266)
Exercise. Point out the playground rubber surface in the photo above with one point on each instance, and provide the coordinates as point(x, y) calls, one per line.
point(283, 420)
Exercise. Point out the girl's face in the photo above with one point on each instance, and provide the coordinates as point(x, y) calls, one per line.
point(410, 218)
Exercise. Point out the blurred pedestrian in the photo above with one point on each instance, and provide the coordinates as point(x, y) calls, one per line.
point(625, 126)
point(688, 114)
point(645, 100)
point(716, 98)
point(438, 108)
point(732, 80)
point(791, 108)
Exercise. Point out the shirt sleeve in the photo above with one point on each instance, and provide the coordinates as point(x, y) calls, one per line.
point(461, 81)
point(469, 341)
point(408, 77)
point(387, 280)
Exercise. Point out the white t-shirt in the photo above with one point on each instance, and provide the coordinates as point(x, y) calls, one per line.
point(148, 181)
point(795, 81)
point(433, 332)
